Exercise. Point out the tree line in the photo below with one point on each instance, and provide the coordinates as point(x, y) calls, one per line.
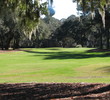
point(51, 32)
point(87, 32)
point(21, 26)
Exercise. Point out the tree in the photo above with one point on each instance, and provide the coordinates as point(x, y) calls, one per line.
point(86, 32)
point(92, 5)
point(8, 29)
point(42, 36)
point(45, 31)
point(103, 7)
point(25, 16)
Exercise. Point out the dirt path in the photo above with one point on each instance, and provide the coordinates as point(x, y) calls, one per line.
point(8, 51)
point(54, 91)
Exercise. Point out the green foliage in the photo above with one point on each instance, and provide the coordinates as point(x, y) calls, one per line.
point(26, 12)
point(8, 28)
point(93, 5)
point(45, 30)
point(72, 32)
point(87, 32)
point(21, 15)
point(43, 34)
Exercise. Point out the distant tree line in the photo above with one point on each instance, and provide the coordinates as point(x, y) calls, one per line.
point(51, 32)
point(73, 32)
point(21, 26)
point(87, 32)
point(43, 34)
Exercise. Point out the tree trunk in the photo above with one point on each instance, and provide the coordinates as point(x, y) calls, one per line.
point(16, 44)
point(108, 37)
point(7, 45)
point(101, 43)
point(1, 43)
point(1, 39)
point(7, 40)
point(16, 40)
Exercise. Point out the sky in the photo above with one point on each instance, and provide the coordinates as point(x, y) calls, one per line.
point(64, 8)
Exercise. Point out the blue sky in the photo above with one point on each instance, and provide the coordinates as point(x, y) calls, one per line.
point(64, 8)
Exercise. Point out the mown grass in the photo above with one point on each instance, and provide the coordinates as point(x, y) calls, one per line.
point(55, 65)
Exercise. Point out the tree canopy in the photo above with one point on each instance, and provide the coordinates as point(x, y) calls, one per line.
point(22, 15)
point(92, 5)
point(25, 12)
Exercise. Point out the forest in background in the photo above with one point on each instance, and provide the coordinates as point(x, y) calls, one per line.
point(51, 32)
point(21, 25)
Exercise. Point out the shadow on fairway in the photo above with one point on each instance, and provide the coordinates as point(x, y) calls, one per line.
point(35, 52)
point(105, 69)
point(69, 55)
point(52, 49)
point(99, 50)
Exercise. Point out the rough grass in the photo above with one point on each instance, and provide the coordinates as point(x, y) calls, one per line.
point(55, 65)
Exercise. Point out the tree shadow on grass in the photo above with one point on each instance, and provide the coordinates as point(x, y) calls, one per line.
point(69, 55)
point(37, 52)
point(53, 49)
point(99, 50)
point(105, 69)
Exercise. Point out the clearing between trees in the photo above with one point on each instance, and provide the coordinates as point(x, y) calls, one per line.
point(54, 74)
point(55, 65)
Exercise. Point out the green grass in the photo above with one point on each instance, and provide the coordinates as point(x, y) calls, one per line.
point(55, 65)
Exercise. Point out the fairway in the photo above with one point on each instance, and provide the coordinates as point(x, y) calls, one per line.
point(55, 65)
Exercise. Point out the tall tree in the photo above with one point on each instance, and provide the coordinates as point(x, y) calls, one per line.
point(92, 5)
point(25, 13)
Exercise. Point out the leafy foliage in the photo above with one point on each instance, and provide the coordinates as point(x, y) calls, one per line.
point(23, 14)
point(43, 34)
point(87, 32)
point(92, 5)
